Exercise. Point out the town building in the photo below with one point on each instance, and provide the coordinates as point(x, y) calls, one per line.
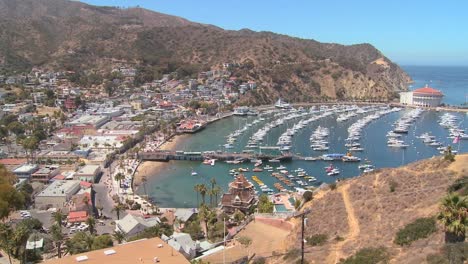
point(94, 120)
point(425, 97)
point(132, 225)
point(88, 173)
point(241, 196)
point(57, 195)
point(24, 171)
point(183, 243)
point(45, 174)
point(152, 250)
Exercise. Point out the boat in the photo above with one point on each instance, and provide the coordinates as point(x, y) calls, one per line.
point(281, 104)
point(365, 166)
point(274, 160)
point(194, 173)
point(207, 162)
point(368, 170)
point(333, 172)
point(281, 167)
point(268, 167)
point(257, 170)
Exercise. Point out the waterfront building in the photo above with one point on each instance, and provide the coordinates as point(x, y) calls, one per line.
point(183, 243)
point(241, 196)
point(425, 97)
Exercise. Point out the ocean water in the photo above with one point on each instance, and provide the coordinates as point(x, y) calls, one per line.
point(173, 186)
point(452, 81)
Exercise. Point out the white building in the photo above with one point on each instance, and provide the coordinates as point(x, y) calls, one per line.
point(427, 97)
point(57, 194)
point(132, 225)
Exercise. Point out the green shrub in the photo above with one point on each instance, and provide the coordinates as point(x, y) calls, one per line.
point(317, 240)
point(460, 185)
point(393, 184)
point(420, 228)
point(368, 256)
point(292, 254)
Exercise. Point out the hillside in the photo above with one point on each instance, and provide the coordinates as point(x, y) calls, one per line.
point(75, 36)
point(364, 212)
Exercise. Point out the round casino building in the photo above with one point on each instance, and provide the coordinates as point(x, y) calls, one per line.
point(425, 97)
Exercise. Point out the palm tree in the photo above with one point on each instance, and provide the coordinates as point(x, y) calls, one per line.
point(204, 215)
point(216, 191)
point(119, 236)
point(454, 216)
point(91, 222)
point(196, 188)
point(57, 237)
point(203, 191)
point(144, 180)
point(213, 183)
point(117, 209)
point(58, 218)
point(119, 177)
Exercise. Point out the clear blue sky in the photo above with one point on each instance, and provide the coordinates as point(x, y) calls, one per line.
point(410, 32)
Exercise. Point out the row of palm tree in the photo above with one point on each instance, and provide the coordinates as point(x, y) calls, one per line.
point(203, 190)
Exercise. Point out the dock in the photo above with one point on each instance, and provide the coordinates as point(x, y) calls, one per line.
point(167, 155)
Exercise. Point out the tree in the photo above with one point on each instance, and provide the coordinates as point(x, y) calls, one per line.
point(57, 237)
point(238, 216)
point(117, 209)
point(58, 217)
point(6, 239)
point(454, 216)
point(211, 193)
point(119, 177)
point(91, 222)
point(203, 191)
point(203, 214)
point(10, 198)
point(264, 204)
point(216, 191)
point(196, 188)
point(144, 180)
point(119, 236)
point(100, 242)
point(30, 144)
point(307, 196)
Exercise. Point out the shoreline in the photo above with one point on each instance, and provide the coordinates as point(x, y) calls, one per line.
point(150, 168)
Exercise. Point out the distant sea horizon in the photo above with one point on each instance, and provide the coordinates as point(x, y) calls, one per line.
point(450, 80)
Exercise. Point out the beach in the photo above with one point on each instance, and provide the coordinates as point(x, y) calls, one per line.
point(150, 168)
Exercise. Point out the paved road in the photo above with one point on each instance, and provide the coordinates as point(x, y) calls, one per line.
point(103, 196)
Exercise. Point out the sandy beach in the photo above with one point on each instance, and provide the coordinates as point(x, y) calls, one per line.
point(150, 168)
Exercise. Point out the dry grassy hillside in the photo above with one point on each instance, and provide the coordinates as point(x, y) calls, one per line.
point(365, 213)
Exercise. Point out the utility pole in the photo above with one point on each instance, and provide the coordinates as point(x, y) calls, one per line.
point(303, 219)
point(302, 238)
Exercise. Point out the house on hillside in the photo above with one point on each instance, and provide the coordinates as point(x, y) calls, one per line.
point(132, 225)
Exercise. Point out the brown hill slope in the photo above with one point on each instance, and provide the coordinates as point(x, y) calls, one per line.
point(365, 213)
point(60, 33)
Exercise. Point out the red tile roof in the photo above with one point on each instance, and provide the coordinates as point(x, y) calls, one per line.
point(86, 184)
point(12, 161)
point(78, 216)
point(427, 90)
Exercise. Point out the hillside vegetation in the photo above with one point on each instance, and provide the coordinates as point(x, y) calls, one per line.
point(367, 216)
point(74, 36)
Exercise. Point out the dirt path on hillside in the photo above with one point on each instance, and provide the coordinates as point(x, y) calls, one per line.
point(353, 225)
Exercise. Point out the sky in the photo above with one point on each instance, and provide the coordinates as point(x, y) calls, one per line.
point(410, 32)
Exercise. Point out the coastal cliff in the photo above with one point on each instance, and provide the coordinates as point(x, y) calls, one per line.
point(73, 36)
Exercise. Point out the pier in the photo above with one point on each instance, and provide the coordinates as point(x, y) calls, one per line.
point(167, 155)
